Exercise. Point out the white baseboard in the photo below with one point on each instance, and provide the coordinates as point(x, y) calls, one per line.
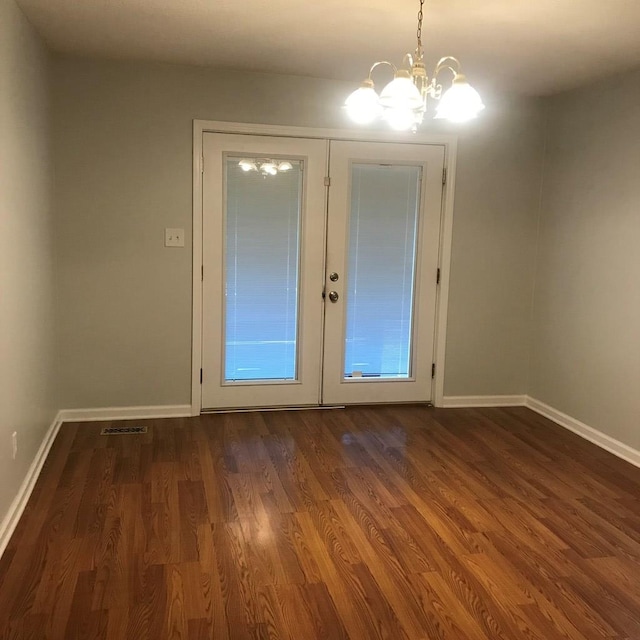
point(126, 413)
point(11, 519)
point(588, 433)
point(452, 402)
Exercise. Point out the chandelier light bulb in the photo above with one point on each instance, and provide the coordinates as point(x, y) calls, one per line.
point(362, 105)
point(266, 166)
point(460, 103)
point(401, 93)
point(400, 119)
point(269, 168)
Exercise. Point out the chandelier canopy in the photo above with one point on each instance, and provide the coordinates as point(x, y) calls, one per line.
point(403, 102)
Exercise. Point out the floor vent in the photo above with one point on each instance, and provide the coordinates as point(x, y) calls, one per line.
point(117, 431)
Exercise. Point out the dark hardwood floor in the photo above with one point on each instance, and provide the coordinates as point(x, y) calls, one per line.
point(373, 522)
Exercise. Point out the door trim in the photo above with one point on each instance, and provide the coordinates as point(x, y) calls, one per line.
point(450, 142)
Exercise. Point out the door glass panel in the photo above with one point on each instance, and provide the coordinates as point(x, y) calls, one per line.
point(381, 270)
point(262, 253)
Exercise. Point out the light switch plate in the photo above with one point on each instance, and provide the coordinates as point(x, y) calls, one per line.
point(174, 237)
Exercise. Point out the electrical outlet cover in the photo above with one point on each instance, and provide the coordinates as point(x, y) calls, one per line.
point(174, 237)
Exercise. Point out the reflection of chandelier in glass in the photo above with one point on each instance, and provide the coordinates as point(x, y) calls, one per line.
point(266, 166)
point(403, 102)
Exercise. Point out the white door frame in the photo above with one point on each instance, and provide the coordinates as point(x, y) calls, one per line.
point(200, 127)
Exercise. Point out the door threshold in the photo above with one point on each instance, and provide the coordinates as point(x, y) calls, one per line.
point(250, 409)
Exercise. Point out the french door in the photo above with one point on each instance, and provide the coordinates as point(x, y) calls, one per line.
point(319, 271)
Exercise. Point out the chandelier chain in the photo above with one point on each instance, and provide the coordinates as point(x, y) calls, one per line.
point(419, 31)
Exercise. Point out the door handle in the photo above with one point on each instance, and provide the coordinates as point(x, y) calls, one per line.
point(333, 296)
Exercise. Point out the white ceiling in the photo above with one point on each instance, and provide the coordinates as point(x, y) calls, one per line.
point(526, 46)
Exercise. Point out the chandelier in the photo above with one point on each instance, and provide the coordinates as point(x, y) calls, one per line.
point(403, 102)
point(266, 166)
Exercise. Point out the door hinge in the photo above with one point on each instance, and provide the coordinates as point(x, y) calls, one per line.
point(202, 164)
point(444, 175)
point(433, 369)
point(200, 376)
point(327, 181)
point(438, 276)
point(201, 273)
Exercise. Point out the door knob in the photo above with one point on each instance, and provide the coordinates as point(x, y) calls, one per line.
point(333, 296)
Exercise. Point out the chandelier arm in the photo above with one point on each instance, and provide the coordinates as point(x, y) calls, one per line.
point(381, 62)
point(407, 61)
point(443, 64)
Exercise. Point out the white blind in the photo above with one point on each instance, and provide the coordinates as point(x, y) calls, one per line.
point(262, 268)
point(381, 269)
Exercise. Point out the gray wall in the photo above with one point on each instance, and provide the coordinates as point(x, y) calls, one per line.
point(26, 316)
point(123, 158)
point(586, 334)
point(493, 254)
point(123, 139)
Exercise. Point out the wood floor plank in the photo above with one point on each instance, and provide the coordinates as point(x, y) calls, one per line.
point(365, 523)
point(212, 586)
point(389, 574)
